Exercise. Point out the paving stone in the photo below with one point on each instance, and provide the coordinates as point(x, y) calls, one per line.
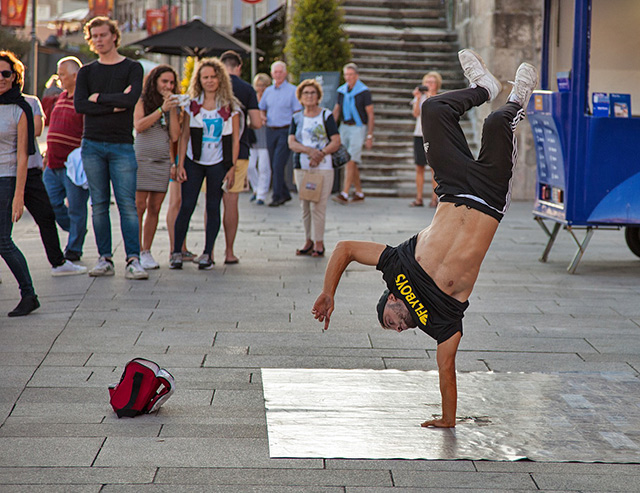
point(587, 482)
point(50, 488)
point(48, 452)
point(66, 359)
point(183, 488)
point(266, 477)
point(127, 428)
point(249, 361)
point(15, 376)
point(419, 465)
point(193, 452)
point(75, 475)
point(168, 360)
point(243, 430)
point(305, 339)
point(473, 480)
point(559, 468)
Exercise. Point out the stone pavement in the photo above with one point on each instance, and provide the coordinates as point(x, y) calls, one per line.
point(214, 330)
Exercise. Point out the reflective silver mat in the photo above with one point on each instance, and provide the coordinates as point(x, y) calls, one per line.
point(374, 414)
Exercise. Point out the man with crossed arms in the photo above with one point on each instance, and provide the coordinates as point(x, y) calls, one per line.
point(430, 276)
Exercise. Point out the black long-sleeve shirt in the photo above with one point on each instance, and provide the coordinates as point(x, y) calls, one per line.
point(101, 122)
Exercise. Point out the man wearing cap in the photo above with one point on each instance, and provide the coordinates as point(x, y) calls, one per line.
point(430, 276)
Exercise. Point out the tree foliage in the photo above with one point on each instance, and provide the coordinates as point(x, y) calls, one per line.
point(317, 41)
point(10, 42)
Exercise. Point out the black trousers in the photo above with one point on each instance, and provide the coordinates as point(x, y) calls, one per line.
point(37, 203)
point(485, 183)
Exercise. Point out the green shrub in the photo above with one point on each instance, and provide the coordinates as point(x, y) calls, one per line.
point(317, 41)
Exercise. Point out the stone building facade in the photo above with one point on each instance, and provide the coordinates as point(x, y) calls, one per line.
point(505, 33)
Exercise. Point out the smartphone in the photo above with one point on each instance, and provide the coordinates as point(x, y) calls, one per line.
point(225, 186)
point(181, 99)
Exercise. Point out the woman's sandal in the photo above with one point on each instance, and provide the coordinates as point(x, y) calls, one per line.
point(305, 251)
point(318, 253)
point(416, 203)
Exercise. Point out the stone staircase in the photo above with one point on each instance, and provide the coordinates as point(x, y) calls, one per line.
point(394, 43)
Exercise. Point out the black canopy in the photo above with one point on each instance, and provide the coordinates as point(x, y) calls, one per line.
point(195, 38)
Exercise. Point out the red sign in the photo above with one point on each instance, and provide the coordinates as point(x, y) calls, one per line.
point(100, 7)
point(14, 13)
point(156, 21)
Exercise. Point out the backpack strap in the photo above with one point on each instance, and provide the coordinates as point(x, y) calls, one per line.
point(127, 410)
point(168, 386)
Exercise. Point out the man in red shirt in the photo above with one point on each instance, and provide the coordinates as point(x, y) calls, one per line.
point(65, 135)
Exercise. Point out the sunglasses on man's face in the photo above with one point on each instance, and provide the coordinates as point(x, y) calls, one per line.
point(6, 73)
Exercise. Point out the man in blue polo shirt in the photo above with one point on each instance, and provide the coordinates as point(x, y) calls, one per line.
point(355, 108)
point(278, 104)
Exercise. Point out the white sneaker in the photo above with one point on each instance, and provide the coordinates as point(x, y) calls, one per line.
point(147, 261)
point(104, 267)
point(134, 270)
point(176, 261)
point(478, 74)
point(525, 82)
point(68, 269)
point(205, 262)
point(200, 258)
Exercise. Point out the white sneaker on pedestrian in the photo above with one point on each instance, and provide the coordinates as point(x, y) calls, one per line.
point(478, 74)
point(205, 262)
point(134, 270)
point(147, 261)
point(524, 84)
point(200, 258)
point(104, 267)
point(176, 261)
point(68, 269)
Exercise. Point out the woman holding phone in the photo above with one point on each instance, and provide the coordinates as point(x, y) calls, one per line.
point(157, 125)
point(208, 149)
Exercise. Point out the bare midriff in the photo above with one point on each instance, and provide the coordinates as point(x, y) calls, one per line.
point(452, 248)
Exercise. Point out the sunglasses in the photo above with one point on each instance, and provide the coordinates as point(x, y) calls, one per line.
point(6, 73)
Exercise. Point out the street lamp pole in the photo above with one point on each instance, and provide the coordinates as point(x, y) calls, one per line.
point(254, 65)
point(34, 51)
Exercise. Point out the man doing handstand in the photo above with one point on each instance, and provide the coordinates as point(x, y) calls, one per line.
point(430, 276)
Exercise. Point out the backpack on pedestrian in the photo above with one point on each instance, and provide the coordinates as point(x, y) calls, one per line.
point(143, 388)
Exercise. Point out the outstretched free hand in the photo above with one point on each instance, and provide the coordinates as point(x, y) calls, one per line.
point(323, 308)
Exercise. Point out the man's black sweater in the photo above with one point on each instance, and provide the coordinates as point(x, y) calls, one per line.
point(101, 121)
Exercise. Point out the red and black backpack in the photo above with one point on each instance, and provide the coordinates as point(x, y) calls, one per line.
point(143, 388)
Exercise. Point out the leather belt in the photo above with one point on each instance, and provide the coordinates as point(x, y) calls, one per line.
point(278, 128)
point(349, 123)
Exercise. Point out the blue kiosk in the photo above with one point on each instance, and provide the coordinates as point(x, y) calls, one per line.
point(588, 166)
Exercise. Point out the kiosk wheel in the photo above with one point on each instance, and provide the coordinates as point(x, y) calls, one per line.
point(632, 235)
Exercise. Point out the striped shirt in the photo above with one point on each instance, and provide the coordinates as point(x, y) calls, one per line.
point(65, 131)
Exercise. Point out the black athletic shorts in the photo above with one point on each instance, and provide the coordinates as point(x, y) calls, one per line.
point(483, 184)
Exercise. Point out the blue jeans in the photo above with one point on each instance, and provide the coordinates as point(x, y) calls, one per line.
point(196, 173)
point(107, 163)
point(278, 155)
point(74, 218)
point(8, 249)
